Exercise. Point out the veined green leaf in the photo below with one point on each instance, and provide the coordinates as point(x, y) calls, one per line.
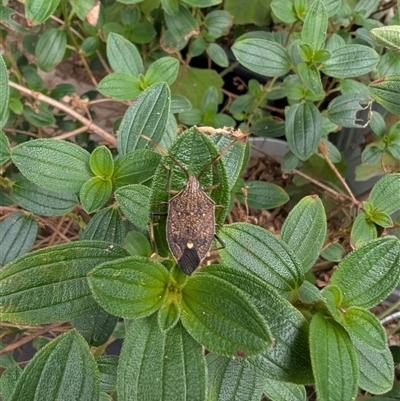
point(164, 69)
point(334, 359)
point(289, 358)
point(362, 230)
point(94, 193)
point(284, 10)
point(50, 285)
point(277, 390)
point(134, 201)
point(385, 91)
point(182, 25)
point(101, 162)
point(39, 11)
point(120, 86)
point(148, 116)
point(262, 56)
point(18, 233)
point(156, 365)
point(306, 243)
point(66, 367)
point(303, 129)
point(233, 379)
point(59, 166)
point(350, 61)
point(221, 318)
point(388, 36)
point(5, 91)
point(131, 287)
point(218, 23)
point(50, 48)
point(370, 273)
point(107, 365)
point(123, 55)
point(82, 7)
point(315, 25)
point(253, 249)
point(217, 54)
point(384, 196)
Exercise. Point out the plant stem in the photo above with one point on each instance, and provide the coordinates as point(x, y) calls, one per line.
point(86, 122)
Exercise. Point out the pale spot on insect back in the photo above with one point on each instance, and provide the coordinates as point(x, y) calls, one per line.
point(190, 244)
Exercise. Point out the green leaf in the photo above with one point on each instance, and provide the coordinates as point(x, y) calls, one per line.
point(101, 162)
point(190, 83)
point(137, 244)
point(351, 86)
point(123, 55)
point(218, 23)
point(131, 287)
point(315, 25)
point(8, 381)
point(156, 365)
point(134, 201)
point(255, 250)
point(66, 367)
point(18, 233)
point(221, 318)
point(194, 152)
point(50, 48)
point(378, 124)
point(350, 61)
point(388, 36)
point(262, 56)
point(304, 230)
point(385, 91)
point(333, 252)
point(5, 91)
point(182, 25)
point(107, 365)
point(389, 64)
point(94, 193)
point(256, 11)
point(303, 129)
point(343, 109)
point(106, 225)
point(39, 11)
point(381, 219)
point(82, 7)
point(136, 167)
point(171, 7)
point(384, 196)
point(370, 273)
point(365, 327)
point(41, 201)
point(202, 3)
point(282, 391)
point(168, 316)
point(5, 153)
point(90, 45)
point(52, 164)
point(96, 327)
point(376, 369)
point(233, 380)
point(334, 360)
point(311, 78)
point(164, 69)
point(148, 115)
point(263, 195)
point(288, 359)
point(363, 230)
point(120, 86)
point(40, 118)
point(217, 54)
point(284, 11)
point(179, 104)
point(50, 285)
point(143, 32)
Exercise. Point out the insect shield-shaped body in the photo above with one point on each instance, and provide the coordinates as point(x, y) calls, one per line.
point(192, 167)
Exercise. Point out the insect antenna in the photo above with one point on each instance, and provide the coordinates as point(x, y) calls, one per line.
point(165, 153)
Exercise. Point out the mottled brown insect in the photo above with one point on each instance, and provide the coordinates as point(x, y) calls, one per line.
point(190, 225)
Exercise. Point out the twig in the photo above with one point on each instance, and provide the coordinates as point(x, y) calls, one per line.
point(87, 123)
point(307, 177)
point(323, 150)
point(27, 339)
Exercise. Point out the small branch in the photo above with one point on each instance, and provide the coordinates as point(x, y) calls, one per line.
point(30, 337)
point(323, 150)
point(87, 123)
point(307, 177)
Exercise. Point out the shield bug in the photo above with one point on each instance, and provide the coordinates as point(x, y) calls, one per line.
point(198, 179)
